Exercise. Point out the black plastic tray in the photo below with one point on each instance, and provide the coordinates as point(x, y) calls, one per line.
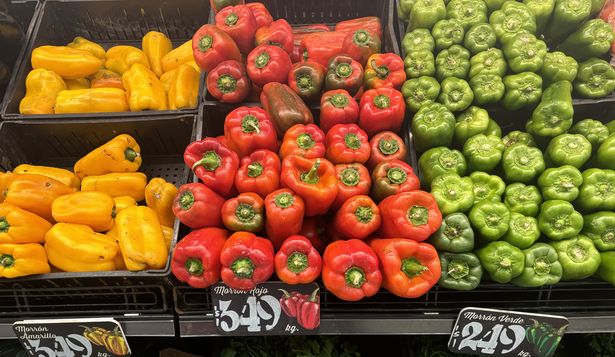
point(109, 23)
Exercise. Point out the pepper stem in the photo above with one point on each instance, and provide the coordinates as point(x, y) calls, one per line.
point(314, 295)
point(381, 71)
point(7, 260)
point(210, 161)
point(304, 81)
point(243, 268)
point(130, 154)
point(231, 19)
point(186, 200)
point(305, 141)
point(250, 124)
point(205, 43)
point(286, 293)
point(352, 141)
point(343, 70)
point(194, 267)
point(458, 269)
point(412, 267)
point(311, 176)
point(418, 215)
point(297, 262)
point(350, 177)
point(284, 200)
point(388, 147)
point(382, 101)
point(262, 59)
point(542, 265)
point(364, 214)
point(355, 277)
point(4, 225)
point(361, 37)
point(245, 213)
point(255, 169)
point(396, 175)
point(339, 100)
point(226, 83)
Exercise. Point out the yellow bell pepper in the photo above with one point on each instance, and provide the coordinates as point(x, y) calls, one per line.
point(79, 83)
point(95, 100)
point(81, 43)
point(5, 180)
point(159, 196)
point(121, 58)
point(166, 79)
point(42, 87)
point(68, 62)
point(141, 239)
point(66, 177)
point(35, 193)
point(20, 226)
point(91, 208)
point(168, 235)
point(123, 202)
point(22, 259)
point(156, 45)
point(120, 154)
point(105, 78)
point(119, 259)
point(76, 247)
point(143, 89)
point(115, 185)
point(184, 88)
point(178, 56)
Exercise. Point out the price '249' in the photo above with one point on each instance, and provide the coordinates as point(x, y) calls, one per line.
point(490, 341)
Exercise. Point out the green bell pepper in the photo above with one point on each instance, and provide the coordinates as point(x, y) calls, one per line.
point(597, 5)
point(460, 271)
point(522, 90)
point(420, 91)
point(525, 53)
point(471, 122)
point(542, 267)
point(596, 79)
point(418, 40)
point(592, 39)
point(441, 160)
point(420, 63)
point(493, 129)
point(542, 10)
point(483, 152)
point(578, 256)
point(490, 61)
point(456, 94)
point(611, 126)
point(522, 231)
point(502, 261)
point(593, 130)
point(453, 62)
point(558, 67)
point(560, 183)
point(567, 16)
point(606, 271)
point(597, 193)
point(523, 199)
point(425, 14)
point(447, 33)
point(453, 193)
point(568, 149)
point(487, 88)
point(480, 37)
point(518, 137)
point(490, 219)
point(600, 228)
point(487, 187)
point(513, 17)
point(605, 155)
point(522, 163)
point(433, 125)
point(404, 7)
point(553, 115)
point(455, 234)
point(467, 12)
point(493, 5)
point(558, 220)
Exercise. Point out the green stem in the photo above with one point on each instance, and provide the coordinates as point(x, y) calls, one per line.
point(210, 161)
point(305, 141)
point(343, 70)
point(382, 101)
point(350, 177)
point(297, 262)
point(364, 214)
point(339, 100)
point(243, 268)
point(245, 213)
point(231, 19)
point(262, 59)
point(4, 225)
point(194, 267)
point(352, 141)
point(284, 200)
point(412, 267)
point(396, 175)
point(205, 43)
point(355, 277)
point(250, 124)
point(311, 176)
point(130, 154)
point(7, 260)
point(186, 200)
point(381, 71)
point(361, 37)
point(227, 83)
point(418, 215)
point(255, 169)
point(388, 147)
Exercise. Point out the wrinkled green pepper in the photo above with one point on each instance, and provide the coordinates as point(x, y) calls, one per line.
point(558, 220)
point(455, 94)
point(483, 152)
point(522, 90)
point(455, 235)
point(553, 115)
point(420, 91)
point(518, 137)
point(593, 130)
point(567, 16)
point(596, 79)
point(441, 160)
point(447, 33)
point(605, 155)
point(513, 17)
point(453, 193)
point(487, 187)
point(606, 271)
point(493, 5)
point(560, 183)
point(425, 14)
point(525, 53)
point(480, 37)
point(592, 39)
point(418, 40)
point(568, 149)
point(523, 199)
point(542, 10)
point(611, 126)
point(502, 261)
point(453, 62)
point(433, 125)
point(420, 63)
point(600, 228)
point(490, 61)
point(542, 267)
point(460, 271)
point(493, 129)
point(597, 193)
point(522, 231)
point(487, 88)
point(490, 219)
point(522, 163)
point(467, 12)
point(404, 7)
point(578, 256)
point(471, 122)
point(558, 67)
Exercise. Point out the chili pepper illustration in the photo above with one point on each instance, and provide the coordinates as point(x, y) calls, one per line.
point(290, 302)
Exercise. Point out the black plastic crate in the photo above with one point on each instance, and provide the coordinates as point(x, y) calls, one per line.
point(109, 23)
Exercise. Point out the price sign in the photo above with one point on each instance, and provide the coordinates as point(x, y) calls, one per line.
point(272, 308)
point(96, 337)
point(489, 332)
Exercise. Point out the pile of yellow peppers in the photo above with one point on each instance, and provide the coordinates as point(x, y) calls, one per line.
point(87, 219)
point(82, 77)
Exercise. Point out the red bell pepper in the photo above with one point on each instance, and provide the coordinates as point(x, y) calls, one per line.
point(344, 73)
point(218, 5)
point(352, 180)
point(320, 47)
point(244, 213)
point(239, 23)
point(350, 270)
point(410, 269)
point(413, 215)
point(312, 179)
point(247, 260)
point(347, 143)
point(308, 311)
point(299, 33)
point(370, 23)
point(228, 82)
point(381, 109)
point(297, 261)
point(386, 146)
point(393, 177)
point(313, 228)
point(196, 258)
point(361, 44)
point(384, 70)
point(197, 206)
point(358, 218)
point(222, 140)
point(337, 107)
point(278, 33)
point(285, 107)
point(307, 79)
point(267, 63)
point(213, 163)
point(259, 173)
point(303, 140)
point(247, 129)
point(284, 210)
point(290, 302)
point(211, 46)
point(260, 13)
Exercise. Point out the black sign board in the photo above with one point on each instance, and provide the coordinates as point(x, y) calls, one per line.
point(489, 332)
point(95, 337)
point(272, 308)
